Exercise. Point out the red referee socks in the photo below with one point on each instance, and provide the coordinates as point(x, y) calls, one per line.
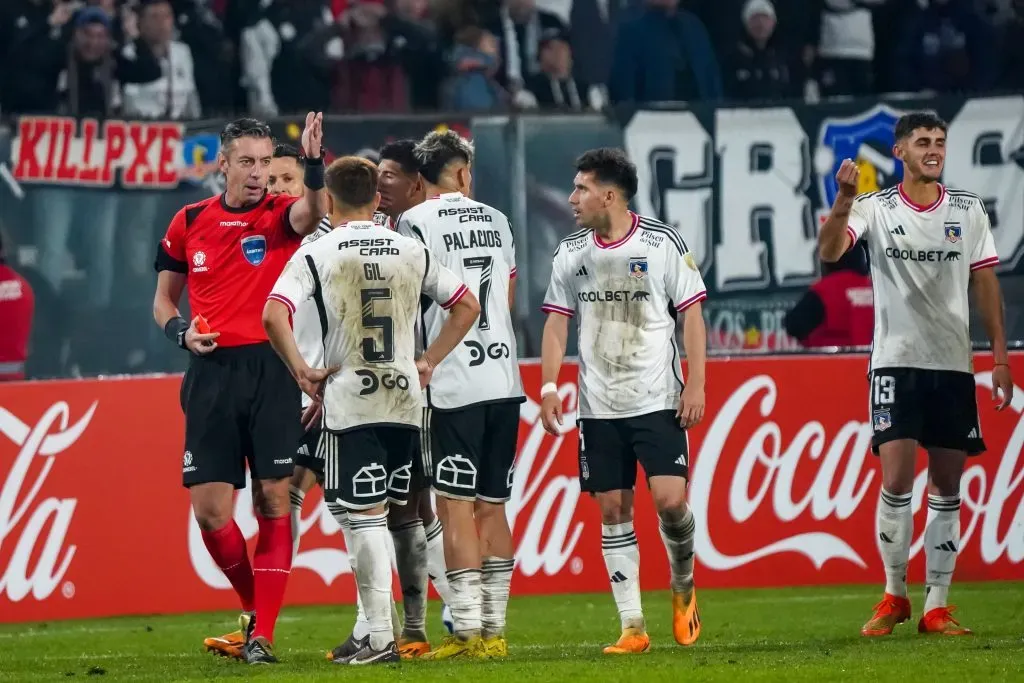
point(272, 564)
point(227, 548)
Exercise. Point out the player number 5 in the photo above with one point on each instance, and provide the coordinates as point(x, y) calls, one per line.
point(372, 354)
point(884, 387)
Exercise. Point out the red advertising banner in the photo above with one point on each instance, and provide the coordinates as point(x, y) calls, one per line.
point(784, 489)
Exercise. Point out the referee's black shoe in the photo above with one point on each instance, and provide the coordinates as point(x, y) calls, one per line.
point(259, 651)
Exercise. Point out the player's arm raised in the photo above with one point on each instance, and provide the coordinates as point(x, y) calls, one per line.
point(293, 287)
point(989, 299)
point(172, 276)
point(835, 237)
point(441, 285)
point(306, 213)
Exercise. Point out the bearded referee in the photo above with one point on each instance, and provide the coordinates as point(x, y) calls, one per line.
point(238, 397)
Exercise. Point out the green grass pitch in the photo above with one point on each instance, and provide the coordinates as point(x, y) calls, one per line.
point(807, 634)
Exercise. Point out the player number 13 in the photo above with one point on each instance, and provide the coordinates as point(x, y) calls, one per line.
point(884, 388)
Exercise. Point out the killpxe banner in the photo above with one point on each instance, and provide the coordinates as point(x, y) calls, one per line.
point(784, 489)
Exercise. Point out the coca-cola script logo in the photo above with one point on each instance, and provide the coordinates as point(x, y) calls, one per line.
point(46, 520)
point(542, 503)
point(770, 459)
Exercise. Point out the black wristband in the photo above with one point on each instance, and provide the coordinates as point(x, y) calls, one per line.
point(313, 177)
point(175, 330)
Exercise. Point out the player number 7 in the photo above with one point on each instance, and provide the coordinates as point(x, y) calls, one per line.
point(484, 264)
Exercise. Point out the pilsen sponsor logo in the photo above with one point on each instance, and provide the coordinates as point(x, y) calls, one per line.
point(35, 552)
point(542, 512)
point(65, 151)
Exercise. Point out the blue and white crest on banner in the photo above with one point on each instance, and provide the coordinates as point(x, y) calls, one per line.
point(867, 139)
point(254, 249)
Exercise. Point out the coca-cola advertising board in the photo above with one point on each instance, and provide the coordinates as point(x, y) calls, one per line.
point(94, 521)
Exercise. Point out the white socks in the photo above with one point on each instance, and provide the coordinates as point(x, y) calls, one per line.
point(496, 578)
point(465, 601)
point(411, 560)
point(895, 532)
point(297, 496)
point(362, 626)
point(622, 559)
point(370, 546)
point(941, 543)
point(678, 539)
point(437, 570)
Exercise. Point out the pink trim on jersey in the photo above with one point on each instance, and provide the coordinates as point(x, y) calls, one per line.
point(699, 296)
point(552, 308)
point(459, 293)
point(853, 237)
point(513, 272)
point(920, 208)
point(989, 262)
point(618, 243)
point(282, 299)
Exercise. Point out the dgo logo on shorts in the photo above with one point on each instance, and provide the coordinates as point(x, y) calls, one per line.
point(254, 249)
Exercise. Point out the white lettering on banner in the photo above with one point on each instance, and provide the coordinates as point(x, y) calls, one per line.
point(765, 169)
point(849, 447)
point(675, 166)
point(532, 482)
point(53, 559)
point(984, 154)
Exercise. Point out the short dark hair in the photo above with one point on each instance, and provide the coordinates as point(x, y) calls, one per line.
point(438, 149)
point(908, 123)
point(352, 181)
point(244, 128)
point(610, 165)
point(401, 152)
point(283, 151)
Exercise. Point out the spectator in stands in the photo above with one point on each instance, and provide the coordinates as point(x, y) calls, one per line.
point(371, 77)
point(760, 67)
point(847, 48)
point(592, 28)
point(68, 65)
point(946, 47)
point(475, 62)
point(173, 96)
point(519, 27)
point(17, 305)
point(216, 80)
point(554, 86)
point(288, 56)
point(413, 37)
point(1011, 43)
point(838, 309)
point(663, 54)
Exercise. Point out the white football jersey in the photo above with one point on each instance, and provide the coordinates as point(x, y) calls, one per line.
point(626, 295)
point(475, 242)
point(921, 263)
point(366, 282)
point(309, 332)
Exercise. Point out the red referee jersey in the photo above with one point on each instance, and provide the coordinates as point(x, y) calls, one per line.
point(17, 303)
point(232, 258)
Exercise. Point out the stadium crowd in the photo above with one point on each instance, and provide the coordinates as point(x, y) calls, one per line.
point(142, 58)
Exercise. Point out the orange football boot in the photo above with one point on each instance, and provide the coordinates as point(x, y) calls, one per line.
point(633, 641)
point(412, 649)
point(228, 645)
point(685, 618)
point(940, 620)
point(891, 610)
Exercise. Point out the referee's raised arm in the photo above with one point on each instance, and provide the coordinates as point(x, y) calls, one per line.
point(306, 213)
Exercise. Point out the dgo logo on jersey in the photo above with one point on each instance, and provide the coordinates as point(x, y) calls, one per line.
point(868, 140)
point(254, 248)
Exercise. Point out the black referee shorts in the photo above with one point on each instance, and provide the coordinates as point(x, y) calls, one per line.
point(239, 404)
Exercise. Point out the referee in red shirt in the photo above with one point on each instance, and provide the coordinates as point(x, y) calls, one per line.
point(238, 397)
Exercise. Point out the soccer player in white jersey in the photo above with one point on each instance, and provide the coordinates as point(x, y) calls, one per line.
point(473, 401)
point(627, 278)
point(928, 244)
point(416, 530)
point(366, 282)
